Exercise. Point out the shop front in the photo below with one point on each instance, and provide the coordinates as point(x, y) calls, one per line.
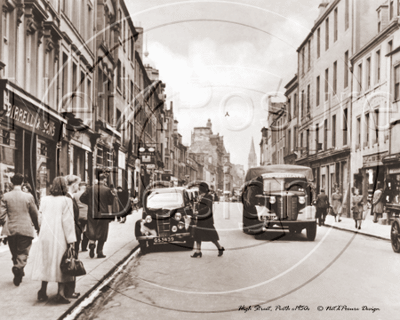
point(29, 132)
point(373, 171)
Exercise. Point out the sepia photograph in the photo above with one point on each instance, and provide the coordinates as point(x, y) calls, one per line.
point(199, 159)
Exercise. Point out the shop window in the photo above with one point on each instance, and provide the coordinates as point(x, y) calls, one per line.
point(397, 83)
point(99, 158)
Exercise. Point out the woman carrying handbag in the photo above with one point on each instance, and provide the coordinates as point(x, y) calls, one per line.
point(57, 233)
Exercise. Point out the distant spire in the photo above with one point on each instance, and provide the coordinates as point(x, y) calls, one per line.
point(252, 155)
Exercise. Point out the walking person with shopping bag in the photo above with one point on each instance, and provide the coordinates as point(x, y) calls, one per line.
point(19, 215)
point(56, 235)
point(99, 200)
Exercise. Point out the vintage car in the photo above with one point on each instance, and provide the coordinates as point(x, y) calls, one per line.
point(166, 218)
point(279, 196)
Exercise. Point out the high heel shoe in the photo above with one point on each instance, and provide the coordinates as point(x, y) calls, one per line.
point(221, 251)
point(61, 300)
point(41, 295)
point(196, 255)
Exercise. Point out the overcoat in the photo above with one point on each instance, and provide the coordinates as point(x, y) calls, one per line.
point(98, 198)
point(57, 229)
point(205, 230)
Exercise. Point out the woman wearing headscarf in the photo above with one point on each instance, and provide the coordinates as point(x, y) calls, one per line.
point(357, 207)
point(205, 230)
point(57, 232)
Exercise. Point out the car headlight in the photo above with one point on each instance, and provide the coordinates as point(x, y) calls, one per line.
point(302, 200)
point(178, 216)
point(181, 225)
point(148, 219)
point(174, 229)
point(272, 200)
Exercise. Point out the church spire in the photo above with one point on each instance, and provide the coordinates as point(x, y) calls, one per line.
point(252, 160)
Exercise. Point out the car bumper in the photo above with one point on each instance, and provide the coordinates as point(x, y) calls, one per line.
point(286, 224)
point(176, 236)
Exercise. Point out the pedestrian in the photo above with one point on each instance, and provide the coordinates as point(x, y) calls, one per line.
point(115, 205)
point(18, 213)
point(322, 204)
point(378, 202)
point(26, 187)
point(124, 203)
point(56, 235)
point(83, 212)
point(337, 198)
point(99, 200)
point(357, 207)
point(205, 230)
point(72, 182)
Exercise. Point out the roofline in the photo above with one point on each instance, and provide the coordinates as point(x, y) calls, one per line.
point(318, 22)
point(393, 26)
point(291, 81)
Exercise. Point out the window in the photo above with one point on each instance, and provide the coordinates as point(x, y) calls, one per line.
point(334, 131)
point(346, 69)
point(302, 104)
point(302, 61)
point(123, 81)
point(345, 127)
point(318, 91)
point(390, 46)
point(288, 140)
point(326, 134)
point(391, 10)
point(295, 105)
point(335, 25)
point(132, 92)
point(368, 72)
point(326, 84)
point(119, 75)
point(327, 34)
point(318, 42)
point(308, 99)
point(74, 86)
point(360, 75)
point(88, 110)
point(366, 130)
point(376, 116)
point(346, 15)
point(308, 140)
point(335, 77)
point(309, 54)
point(378, 67)
point(301, 141)
point(294, 137)
point(358, 128)
point(289, 109)
point(65, 76)
point(397, 83)
point(316, 137)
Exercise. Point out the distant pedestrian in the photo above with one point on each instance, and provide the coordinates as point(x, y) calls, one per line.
point(378, 202)
point(124, 203)
point(115, 206)
point(56, 234)
point(322, 204)
point(73, 186)
point(205, 230)
point(337, 198)
point(357, 207)
point(18, 213)
point(99, 200)
point(83, 213)
point(26, 187)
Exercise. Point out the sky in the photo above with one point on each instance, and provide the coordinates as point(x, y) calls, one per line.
point(220, 60)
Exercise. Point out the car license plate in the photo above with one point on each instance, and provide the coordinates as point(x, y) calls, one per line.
point(164, 239)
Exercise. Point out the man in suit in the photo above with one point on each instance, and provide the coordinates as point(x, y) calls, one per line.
point(322, 204)
point(99, 199)
point(73, 186)
point(83, 210)
point(124, 203)
point(18, 212)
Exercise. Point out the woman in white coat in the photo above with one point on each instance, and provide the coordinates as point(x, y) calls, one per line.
point(57, 232)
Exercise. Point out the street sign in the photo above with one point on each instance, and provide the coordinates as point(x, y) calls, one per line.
point(150, 166)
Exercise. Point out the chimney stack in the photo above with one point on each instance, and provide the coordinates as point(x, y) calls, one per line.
point(139, 42)
point(322, 6)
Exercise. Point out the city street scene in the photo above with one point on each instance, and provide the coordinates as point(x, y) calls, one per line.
point(199, 159)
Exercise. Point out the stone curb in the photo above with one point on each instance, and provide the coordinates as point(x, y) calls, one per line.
point(359, 232)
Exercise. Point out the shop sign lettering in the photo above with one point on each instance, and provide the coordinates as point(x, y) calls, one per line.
point(25, 117)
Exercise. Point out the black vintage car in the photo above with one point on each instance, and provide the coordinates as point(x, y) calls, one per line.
point(167, 218)
point(279, 196)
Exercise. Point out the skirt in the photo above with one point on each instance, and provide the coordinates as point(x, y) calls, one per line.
point(357, 215)
point(205, 232)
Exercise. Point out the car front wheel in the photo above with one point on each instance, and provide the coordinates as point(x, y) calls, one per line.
point(395, 236)
point(311, 232)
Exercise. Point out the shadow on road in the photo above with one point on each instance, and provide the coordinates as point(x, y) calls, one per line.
point(170, 247)
point(281, 236)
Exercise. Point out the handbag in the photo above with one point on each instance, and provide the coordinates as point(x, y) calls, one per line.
point(70, 265)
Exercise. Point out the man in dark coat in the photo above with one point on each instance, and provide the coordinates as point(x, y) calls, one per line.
point(98, 198)
point(124, 203)
point(322, 204)
point(18, 214)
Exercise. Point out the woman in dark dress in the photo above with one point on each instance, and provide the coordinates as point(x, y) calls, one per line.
point(205, 230)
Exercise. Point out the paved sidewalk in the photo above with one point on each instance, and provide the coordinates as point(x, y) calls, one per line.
point(368, 228)
point(21, 303)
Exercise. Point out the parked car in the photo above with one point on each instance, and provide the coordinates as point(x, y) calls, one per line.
point(167, 218)
point(279, 196)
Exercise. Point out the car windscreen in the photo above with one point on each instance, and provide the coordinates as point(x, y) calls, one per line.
point(287, 184)
point(165, 200)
